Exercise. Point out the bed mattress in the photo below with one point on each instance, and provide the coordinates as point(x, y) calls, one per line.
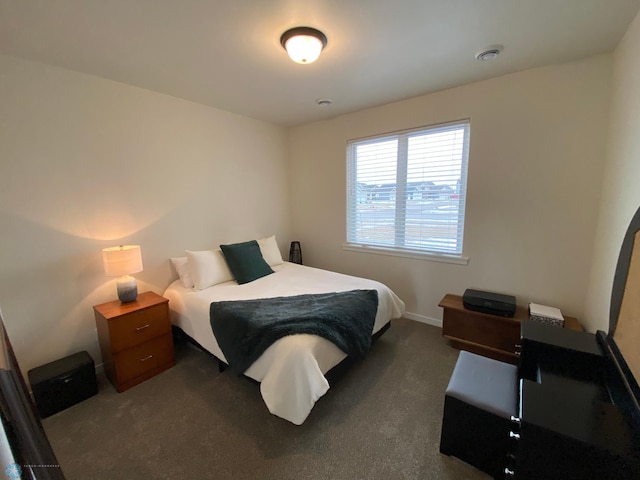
point(291, 371)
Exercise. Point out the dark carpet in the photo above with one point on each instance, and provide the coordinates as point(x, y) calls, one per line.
point(380, 421)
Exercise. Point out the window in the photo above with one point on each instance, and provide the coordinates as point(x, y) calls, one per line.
point(406, 191)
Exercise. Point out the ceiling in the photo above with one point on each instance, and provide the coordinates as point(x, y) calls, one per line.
point(226, 53)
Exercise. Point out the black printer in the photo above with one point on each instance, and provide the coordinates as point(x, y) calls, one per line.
point(489, 302)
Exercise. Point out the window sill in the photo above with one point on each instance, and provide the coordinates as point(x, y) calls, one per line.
point(414, 254)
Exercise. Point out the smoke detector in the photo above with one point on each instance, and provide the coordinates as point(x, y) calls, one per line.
point(489, 53)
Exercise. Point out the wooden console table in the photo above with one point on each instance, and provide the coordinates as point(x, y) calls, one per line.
point(488, 335)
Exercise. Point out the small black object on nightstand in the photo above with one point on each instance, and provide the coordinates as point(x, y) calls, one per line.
point(63, 383)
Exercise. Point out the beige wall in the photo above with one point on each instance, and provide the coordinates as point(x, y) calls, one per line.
point(87, 163)
point(621, 190)
point(535, 165)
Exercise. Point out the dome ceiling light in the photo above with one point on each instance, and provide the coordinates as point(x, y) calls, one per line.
point(303, 44)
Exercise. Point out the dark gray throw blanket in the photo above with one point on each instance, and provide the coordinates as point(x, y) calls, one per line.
point(246, 328)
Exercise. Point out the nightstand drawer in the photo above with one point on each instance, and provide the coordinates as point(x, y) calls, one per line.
point(138, 327)
point(139, 360)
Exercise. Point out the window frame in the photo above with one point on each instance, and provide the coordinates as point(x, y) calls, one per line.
point(402, 180)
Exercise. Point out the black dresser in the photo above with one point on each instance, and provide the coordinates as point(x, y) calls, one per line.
point(575, 418)
point(579, 398)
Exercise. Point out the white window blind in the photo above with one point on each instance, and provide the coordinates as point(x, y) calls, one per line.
point(406, 191)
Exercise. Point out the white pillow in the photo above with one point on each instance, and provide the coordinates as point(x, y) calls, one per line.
point(207, 268)
point(182, 269)
point(270, 251)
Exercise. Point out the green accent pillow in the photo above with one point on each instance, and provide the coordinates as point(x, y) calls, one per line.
point(245, 261)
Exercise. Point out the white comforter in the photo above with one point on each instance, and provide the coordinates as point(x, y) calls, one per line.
point(291, 371)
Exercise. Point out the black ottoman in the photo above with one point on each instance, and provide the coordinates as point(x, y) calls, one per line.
point(478, 405)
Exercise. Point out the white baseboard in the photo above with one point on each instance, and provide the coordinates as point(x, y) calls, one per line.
point(422, 319)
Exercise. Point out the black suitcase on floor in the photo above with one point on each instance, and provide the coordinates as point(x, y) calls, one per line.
point(65, 382)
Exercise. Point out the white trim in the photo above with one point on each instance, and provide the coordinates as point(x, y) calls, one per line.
point(436, 127)
point(416, 255)
point(422, 319)
point(99, 369)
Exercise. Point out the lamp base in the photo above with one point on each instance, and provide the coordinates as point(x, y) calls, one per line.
point(127, 289)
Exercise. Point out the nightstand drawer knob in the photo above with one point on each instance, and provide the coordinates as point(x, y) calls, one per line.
point(146, 358)
point(138, 329)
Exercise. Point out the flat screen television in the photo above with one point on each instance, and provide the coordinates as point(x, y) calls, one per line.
point(25, 451)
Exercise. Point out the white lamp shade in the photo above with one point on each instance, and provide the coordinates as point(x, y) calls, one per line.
point(122, 260)
point(304, 48)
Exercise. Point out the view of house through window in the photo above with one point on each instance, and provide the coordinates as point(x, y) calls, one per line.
point(406, 190)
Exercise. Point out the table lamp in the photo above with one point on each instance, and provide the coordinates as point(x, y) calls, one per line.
point(121, 262)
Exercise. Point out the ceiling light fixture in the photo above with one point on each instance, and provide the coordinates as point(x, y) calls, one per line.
point(489, 53)
point(324, 102)
point(303, 44)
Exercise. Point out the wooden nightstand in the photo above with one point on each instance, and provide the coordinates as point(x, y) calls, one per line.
point(488, 335)
point(135, 339)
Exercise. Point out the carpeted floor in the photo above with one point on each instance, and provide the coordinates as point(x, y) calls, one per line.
point(380, 421)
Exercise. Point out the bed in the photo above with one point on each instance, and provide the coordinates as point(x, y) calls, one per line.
point(291, 372)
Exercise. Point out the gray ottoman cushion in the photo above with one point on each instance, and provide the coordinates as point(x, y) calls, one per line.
point(484, 383)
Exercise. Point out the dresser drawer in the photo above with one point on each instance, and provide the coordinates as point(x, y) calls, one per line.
point(144, 358)
point(137, 327)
